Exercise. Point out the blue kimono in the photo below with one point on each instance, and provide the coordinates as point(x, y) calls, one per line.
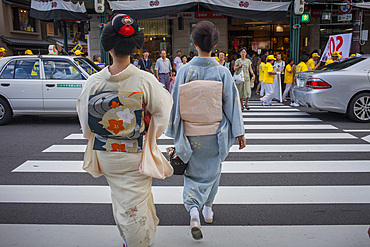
point(205, 153)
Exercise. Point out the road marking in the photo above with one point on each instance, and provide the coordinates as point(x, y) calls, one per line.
point(225, 195)
point(245, 114)
point(258, 103)
point(169, 236)
point(358, 130)
point(366, 138)
point(240, 167)
point(249, 149)
point(251, 119)
point(290, 127)
point(253, 109)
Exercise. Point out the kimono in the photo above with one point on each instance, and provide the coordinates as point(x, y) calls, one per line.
point(111, 113)
point(205, 153)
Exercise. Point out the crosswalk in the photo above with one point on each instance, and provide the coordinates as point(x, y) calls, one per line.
point(299, 180)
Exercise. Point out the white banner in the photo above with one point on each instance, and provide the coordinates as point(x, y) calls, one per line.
point(340, 43)
point(58, 5)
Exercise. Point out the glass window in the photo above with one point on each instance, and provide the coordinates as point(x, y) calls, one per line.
point(8, 72)
point(343, 65)
point(61, 70)
point(27, 69)
point(87, 65)
point(22, 21)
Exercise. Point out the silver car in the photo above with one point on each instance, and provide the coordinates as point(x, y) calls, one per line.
point(38, 85)
point(342, 87)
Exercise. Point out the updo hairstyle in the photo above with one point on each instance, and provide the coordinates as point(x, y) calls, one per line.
point(205, 35)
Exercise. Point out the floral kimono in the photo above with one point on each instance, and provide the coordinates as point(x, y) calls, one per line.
point(110, 109)
point(205, 152)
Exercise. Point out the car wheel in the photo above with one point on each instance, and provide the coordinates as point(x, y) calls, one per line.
point(5, 112)
point(359, 108)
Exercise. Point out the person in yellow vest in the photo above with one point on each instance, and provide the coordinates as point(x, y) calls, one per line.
point(262, 68)
point(268, 79)
point(302, 67)
point(313, 63)
point(28, 52)
point(334, 58)
point(288, 79)
point(2, 52)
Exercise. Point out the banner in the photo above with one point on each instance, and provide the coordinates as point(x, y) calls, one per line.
point(340, 43)
point(58, 10)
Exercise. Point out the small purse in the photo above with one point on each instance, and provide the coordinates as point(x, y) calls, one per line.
point(178, 165)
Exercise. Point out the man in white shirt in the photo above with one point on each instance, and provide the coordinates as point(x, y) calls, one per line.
point(177, 61)
point(162, 69)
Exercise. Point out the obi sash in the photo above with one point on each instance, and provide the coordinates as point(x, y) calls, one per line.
point(201, 107)
point(116, 118)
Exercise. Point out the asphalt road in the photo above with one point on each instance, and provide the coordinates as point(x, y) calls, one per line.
point(27, 137)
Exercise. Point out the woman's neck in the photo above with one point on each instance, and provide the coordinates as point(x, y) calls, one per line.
point(204, 54)
point(243, 58)
point(119, 64)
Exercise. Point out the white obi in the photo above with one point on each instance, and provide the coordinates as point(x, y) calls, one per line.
point(201, 107)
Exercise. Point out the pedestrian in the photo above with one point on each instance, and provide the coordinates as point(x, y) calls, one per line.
point(279, 65)
point(191, 55)
point(255, 63)
point(184, 60)
point(232, 63)
point(136, 60)
point(268, 79)
point(177, 61)
point(172, 79)
point(288, 80)
point(245, 88)
point(301, 67)
point(202, 143)
point(145, 63)
point(334, 58)
point(97, 61)
point(2, 52)
point(110, 112)
point(163, 68)
point(313, 63)
point(261, 85)
point(222, 58)
point(28, 52)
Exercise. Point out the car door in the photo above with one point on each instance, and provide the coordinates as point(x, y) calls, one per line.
point(62, 85)
point(21, 84)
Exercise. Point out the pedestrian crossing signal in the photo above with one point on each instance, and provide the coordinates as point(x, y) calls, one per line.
point(305, 17)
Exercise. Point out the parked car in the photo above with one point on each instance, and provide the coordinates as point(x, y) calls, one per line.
point(342, 87)
point(38, 85)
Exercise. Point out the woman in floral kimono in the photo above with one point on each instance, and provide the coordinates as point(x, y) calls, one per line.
point(111, 112)
point(205, 120)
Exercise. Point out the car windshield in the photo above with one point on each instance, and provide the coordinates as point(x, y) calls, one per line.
point(87, 65)
point(343, 65)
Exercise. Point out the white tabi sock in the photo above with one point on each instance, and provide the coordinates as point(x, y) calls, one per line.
point(194, 214)
point(207, 212)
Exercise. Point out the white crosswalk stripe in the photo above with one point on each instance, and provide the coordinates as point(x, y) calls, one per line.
point(292, 132)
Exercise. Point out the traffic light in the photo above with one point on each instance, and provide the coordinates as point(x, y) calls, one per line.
point(305, 18)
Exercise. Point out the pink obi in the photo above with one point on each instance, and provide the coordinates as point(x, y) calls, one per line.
point(201, 107)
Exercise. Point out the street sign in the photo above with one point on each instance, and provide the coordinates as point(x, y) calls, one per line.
point(347, 17)
point(345, 9)
point(305, 17)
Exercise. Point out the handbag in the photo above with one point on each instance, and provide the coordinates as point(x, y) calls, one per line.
point(239, 78)
point(178, 165)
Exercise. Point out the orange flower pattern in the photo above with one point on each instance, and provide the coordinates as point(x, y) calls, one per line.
point(115, 126)
point(118, 147)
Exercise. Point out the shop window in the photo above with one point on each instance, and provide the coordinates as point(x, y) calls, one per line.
point(155, 27)
point(22, 20)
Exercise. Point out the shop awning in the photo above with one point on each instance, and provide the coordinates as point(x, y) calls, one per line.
point(24, 42)
point(60, 41)
point(58, 10)
point(254, 10)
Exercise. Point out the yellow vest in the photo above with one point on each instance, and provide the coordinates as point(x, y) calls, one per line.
point(302, 67)
point(329, 61)
point(288, 74)
point(267, 78)
point(311, 64)
point(262, 71)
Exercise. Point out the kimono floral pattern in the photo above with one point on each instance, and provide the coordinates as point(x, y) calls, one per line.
point(117, 119)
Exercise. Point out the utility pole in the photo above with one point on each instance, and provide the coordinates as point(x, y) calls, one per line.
point(357, 22)
point(295, 26)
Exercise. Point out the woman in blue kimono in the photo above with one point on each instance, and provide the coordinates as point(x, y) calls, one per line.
point(204, 152)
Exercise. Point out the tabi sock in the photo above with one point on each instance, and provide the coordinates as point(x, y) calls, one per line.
point(194, 214)
point(207, 212)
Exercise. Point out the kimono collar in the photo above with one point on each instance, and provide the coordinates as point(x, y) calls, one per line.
point(123, 75)
point(204, 61)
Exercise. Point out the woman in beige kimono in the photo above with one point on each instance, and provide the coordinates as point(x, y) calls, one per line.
point(111, 112)
point(245, 88)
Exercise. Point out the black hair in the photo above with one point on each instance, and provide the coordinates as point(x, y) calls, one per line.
point(145, 50)
point(183, 57)
point(243, 48)
point(136, 56)
point(263, 58)
point(163, 50)
point(304, 58)
point(289, 60)
point(123, 37)
point(205, 35)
